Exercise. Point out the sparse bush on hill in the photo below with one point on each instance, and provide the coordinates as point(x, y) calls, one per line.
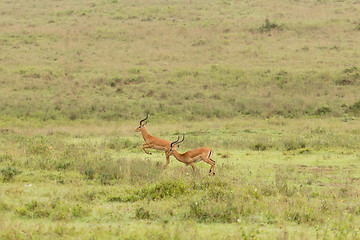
point(323, 110)
point(231, 93)
point(350, 76)
point(354, 109)
point(357, 27)
point(268, 26)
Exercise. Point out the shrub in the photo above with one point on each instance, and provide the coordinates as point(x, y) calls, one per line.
point(106, 178)
point(199, 42)
point(90, 173)
point(354, 109)
point(261, 143)
point(118, 143)
point(9, 172)
point(282, 78)
point(350, 76)
point(268, 26)
point(259, 146)
point(281, 183)
point(156, 191)
point(34, 209)
point(62, 165)
point(168, 188)
point(292, 144)
point(141, 213)
point(39, 146)
point(323, 111)
point(209, 211)
point(6, 158)
point(303, 216)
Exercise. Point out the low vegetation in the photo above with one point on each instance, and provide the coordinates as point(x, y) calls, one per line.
point(276, 178)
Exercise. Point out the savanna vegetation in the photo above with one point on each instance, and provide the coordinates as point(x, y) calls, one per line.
point(271, 86)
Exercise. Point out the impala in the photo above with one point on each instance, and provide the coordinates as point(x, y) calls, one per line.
point(153, 142)
point(191, 157)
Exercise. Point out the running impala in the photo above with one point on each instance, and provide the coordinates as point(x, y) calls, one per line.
point(153, 142)
point(191, 157)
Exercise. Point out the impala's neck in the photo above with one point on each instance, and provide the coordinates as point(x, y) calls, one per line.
point(145, 134)
point(178, 156)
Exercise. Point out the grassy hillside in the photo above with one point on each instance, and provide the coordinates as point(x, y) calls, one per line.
point(195, 59)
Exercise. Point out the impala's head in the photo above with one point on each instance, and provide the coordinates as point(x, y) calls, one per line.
point(142, 123)
point(174, 146)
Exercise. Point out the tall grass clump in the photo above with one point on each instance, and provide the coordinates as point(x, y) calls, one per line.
point(350, 76)
point(293, 143)
point(9, 173)
point(156, 191)
point(109, 170)
point(268, 26)
point(354, 109)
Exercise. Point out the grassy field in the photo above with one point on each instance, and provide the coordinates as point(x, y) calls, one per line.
point(272, 87)
point(276, 179)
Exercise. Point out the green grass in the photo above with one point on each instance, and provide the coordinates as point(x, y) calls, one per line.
point(272, 87)
point(95, 181)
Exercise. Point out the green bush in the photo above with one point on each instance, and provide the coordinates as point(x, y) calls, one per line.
point(209, 211)
point(259, 146)
point(323, 110)
point(350, 76)
point(268, 26)
point(162, 189)
point(5, 158)
point(119, 143)
point(293, 144)
point(90, 173)
point(155, 191)
point(9, 172)
point(39, 146)
point(354, 109)
point(282, 183)
point(34, 209)
point(141, 213)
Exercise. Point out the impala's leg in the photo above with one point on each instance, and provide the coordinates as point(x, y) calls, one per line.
point(212, 163)
point(167, 161)
point(183, 170)
point(193, 167)
point(146, 146)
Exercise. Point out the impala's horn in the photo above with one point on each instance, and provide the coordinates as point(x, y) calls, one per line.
point(141, 121)
point(175, 142)
point(182, 139)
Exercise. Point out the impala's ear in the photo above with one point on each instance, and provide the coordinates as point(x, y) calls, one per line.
point(178, 146)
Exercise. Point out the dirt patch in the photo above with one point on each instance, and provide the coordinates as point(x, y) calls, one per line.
point(317, 169)
point(6, 130)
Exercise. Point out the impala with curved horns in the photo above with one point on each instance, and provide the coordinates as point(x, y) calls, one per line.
point(191, 157)
point(153, 142)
